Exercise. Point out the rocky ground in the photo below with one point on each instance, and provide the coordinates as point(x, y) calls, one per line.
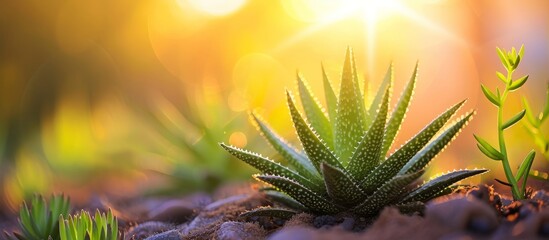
point(475, 214)
point(478, 213)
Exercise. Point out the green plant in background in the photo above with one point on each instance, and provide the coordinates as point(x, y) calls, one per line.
point(83, 227)
point(510, 61)
point(534, 127)
point(187, 140)
point(40, 220)
point(344, 167)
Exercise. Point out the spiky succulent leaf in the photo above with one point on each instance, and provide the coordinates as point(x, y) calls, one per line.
point(393, 126)
point(268, 166)
point(366, 156)
point(433, 187)
point(349, 124)
point(270, 212)
point(316, 150)
point(420, 160)
point(411, 207)
point(40, 220)
point(295, 158)
point(331, 99)
point(315, 113)
point(386, 84)
point(390, 167)
point(341, 187)
point(352, 177)
point(83, 226)
point(284, 199)
point(386, 194)
point(312, 200)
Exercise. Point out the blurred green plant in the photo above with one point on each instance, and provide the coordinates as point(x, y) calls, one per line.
point(188, 143)
point(40, 220)
point(344, 167)
point(535, 128)
point(83, 227)
point(510, 60)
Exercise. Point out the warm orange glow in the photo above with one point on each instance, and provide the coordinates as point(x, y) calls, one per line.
point(216, 7)
point(80, 80)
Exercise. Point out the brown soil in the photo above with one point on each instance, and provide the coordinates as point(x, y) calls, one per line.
point(478, 213)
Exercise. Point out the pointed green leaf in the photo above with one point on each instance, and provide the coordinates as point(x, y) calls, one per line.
point(518, 83)
point(331, 99)
point(521, 51)
point(269, 212)
point(487, 149)
point(421, 159)
point(314, 201)
point(525, 166)
point(503, 58)
point(315, 113)
point(490, 96)
point(349, 125)
point(387, 83)
point(516, 61)
point(390, 167)
point(367, 154)
point(513, 120)
point(386, 194)
point(283, 198)
point(316, 150)
point(360, 98)
point(295, 158)
point(426, 191)
point(393, 126)
point(534, 121)
point(501, 77)
point(340, 186)
point(268, 166)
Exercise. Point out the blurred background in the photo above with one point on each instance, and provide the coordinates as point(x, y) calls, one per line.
point(132, 97)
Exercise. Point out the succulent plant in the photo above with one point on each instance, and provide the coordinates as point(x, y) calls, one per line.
point(40, 222)
point(344, 167)
point(510, 60)
point(83, 227)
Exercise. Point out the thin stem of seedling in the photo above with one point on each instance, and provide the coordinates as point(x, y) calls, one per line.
point(505, 161)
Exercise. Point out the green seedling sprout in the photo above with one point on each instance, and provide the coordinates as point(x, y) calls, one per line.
point(510, 61)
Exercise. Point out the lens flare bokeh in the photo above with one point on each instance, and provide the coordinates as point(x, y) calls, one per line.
point(127, 97)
